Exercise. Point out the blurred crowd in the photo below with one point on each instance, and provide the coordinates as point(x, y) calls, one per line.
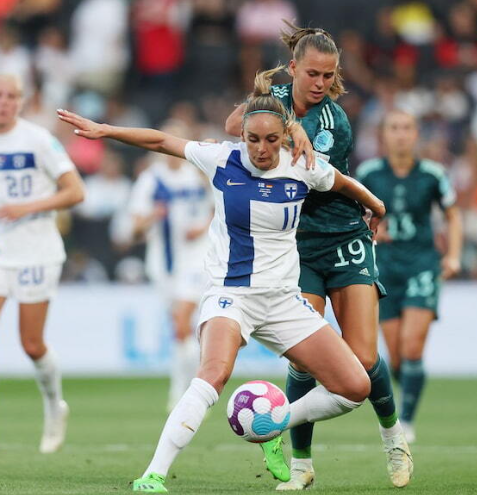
point(142, 62)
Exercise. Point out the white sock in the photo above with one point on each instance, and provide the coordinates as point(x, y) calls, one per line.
point(182, 424)
point(317, 405)
point(48, 377)
point(302, 464)
point(396, 429)
point(185, 362)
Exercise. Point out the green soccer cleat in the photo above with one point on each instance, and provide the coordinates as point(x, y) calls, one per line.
point(152, 483)
point(275, 460)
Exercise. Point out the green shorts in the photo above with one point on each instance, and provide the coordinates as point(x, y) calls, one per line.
point(334, 261)
point(409, 287)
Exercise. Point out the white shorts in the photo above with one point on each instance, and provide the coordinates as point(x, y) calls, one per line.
point(30, 284)
point(183, 285)
point(277, 318)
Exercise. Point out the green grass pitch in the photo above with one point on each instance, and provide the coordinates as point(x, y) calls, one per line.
point(115, 424)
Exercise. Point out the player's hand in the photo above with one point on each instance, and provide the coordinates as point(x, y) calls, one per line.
point(84, 127)
point(302, 146)
point(193, 234)
point(376, 217)
point(450, 267)
point(14, 212)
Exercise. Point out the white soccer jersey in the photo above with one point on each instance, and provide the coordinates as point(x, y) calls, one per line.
point(187, 202)
point(31, 161)
point(256, 214)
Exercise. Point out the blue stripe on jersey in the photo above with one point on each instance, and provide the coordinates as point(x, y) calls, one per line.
point(239, 188)
point(285, 220)
point(17, 161)
point(295, 215)
point(163, 194)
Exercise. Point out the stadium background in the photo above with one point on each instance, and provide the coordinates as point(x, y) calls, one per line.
point(141, 62)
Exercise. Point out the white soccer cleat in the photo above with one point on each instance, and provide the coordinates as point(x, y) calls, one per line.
point(302, 478)
point(409, 432)
point(55, 430)
point(399, 459)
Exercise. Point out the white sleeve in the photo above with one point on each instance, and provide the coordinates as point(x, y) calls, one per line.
point(54, 157)
point(206, 156)
point(141, 202)
point(322, 176)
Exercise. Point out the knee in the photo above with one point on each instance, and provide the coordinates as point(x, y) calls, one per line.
point(182, 327)
point(216, 373)
point(411, 351)
point(358, 388)
point(367, 358)
point(34, 349)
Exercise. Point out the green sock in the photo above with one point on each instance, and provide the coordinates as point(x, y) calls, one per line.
point(412, 384)
point(298, 385)
point(381, 396)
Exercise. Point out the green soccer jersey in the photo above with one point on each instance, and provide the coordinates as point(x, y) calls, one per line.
point(329, 130)
point(408, 202)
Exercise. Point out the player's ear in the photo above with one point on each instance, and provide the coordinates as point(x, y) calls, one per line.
point(292, 68)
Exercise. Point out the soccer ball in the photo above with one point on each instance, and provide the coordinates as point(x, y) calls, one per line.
point(258, 411)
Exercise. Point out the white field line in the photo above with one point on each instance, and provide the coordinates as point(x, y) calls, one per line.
point(241, 446)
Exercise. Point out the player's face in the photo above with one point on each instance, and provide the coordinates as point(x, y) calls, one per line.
point(313, 76)
point(263, 134)
point(10, 102)
point(400, 134)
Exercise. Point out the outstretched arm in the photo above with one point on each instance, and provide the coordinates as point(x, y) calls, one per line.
point(233, 124)
point(353, 189)
point(149, 139)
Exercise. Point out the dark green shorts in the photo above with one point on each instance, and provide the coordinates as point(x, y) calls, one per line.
point(409, 287)
point(337, 261)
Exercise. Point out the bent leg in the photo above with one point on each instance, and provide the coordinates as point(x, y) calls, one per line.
point(345, 383)
point(357, 308)
point(220, 342)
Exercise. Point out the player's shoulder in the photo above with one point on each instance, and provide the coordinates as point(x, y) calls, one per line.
point(332, 116)
point(368, 167)
point(430, 167)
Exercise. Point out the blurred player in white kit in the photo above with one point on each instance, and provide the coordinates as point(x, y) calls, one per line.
point(36, 178)
point(172, 207)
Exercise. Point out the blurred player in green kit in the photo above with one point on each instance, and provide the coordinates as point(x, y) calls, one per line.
point(336, 254)
point(409, 264)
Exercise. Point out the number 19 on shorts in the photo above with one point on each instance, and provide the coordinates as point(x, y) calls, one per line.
point(353, 252)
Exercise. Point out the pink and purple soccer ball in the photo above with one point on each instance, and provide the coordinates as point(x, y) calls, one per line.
point(258, 411)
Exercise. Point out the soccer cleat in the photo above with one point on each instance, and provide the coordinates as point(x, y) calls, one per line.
point(275, 459)
point(399, 459)
point(302, 478)
point(152, 483)
point(409, 432)
point(54, 431)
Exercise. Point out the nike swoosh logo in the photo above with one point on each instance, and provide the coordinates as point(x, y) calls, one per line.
point(230, 183)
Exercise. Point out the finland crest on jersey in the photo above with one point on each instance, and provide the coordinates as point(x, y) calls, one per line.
point(256, 214)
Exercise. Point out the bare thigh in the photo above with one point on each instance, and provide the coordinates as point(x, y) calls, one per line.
point(220, 341)
point(327, 357)
point(356, 308)
point(32, 326)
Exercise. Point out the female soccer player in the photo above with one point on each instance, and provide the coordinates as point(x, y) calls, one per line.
point(36, 178)
point(171, 206)
point(336, 254)
point(408, 261)
point(253, 269)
